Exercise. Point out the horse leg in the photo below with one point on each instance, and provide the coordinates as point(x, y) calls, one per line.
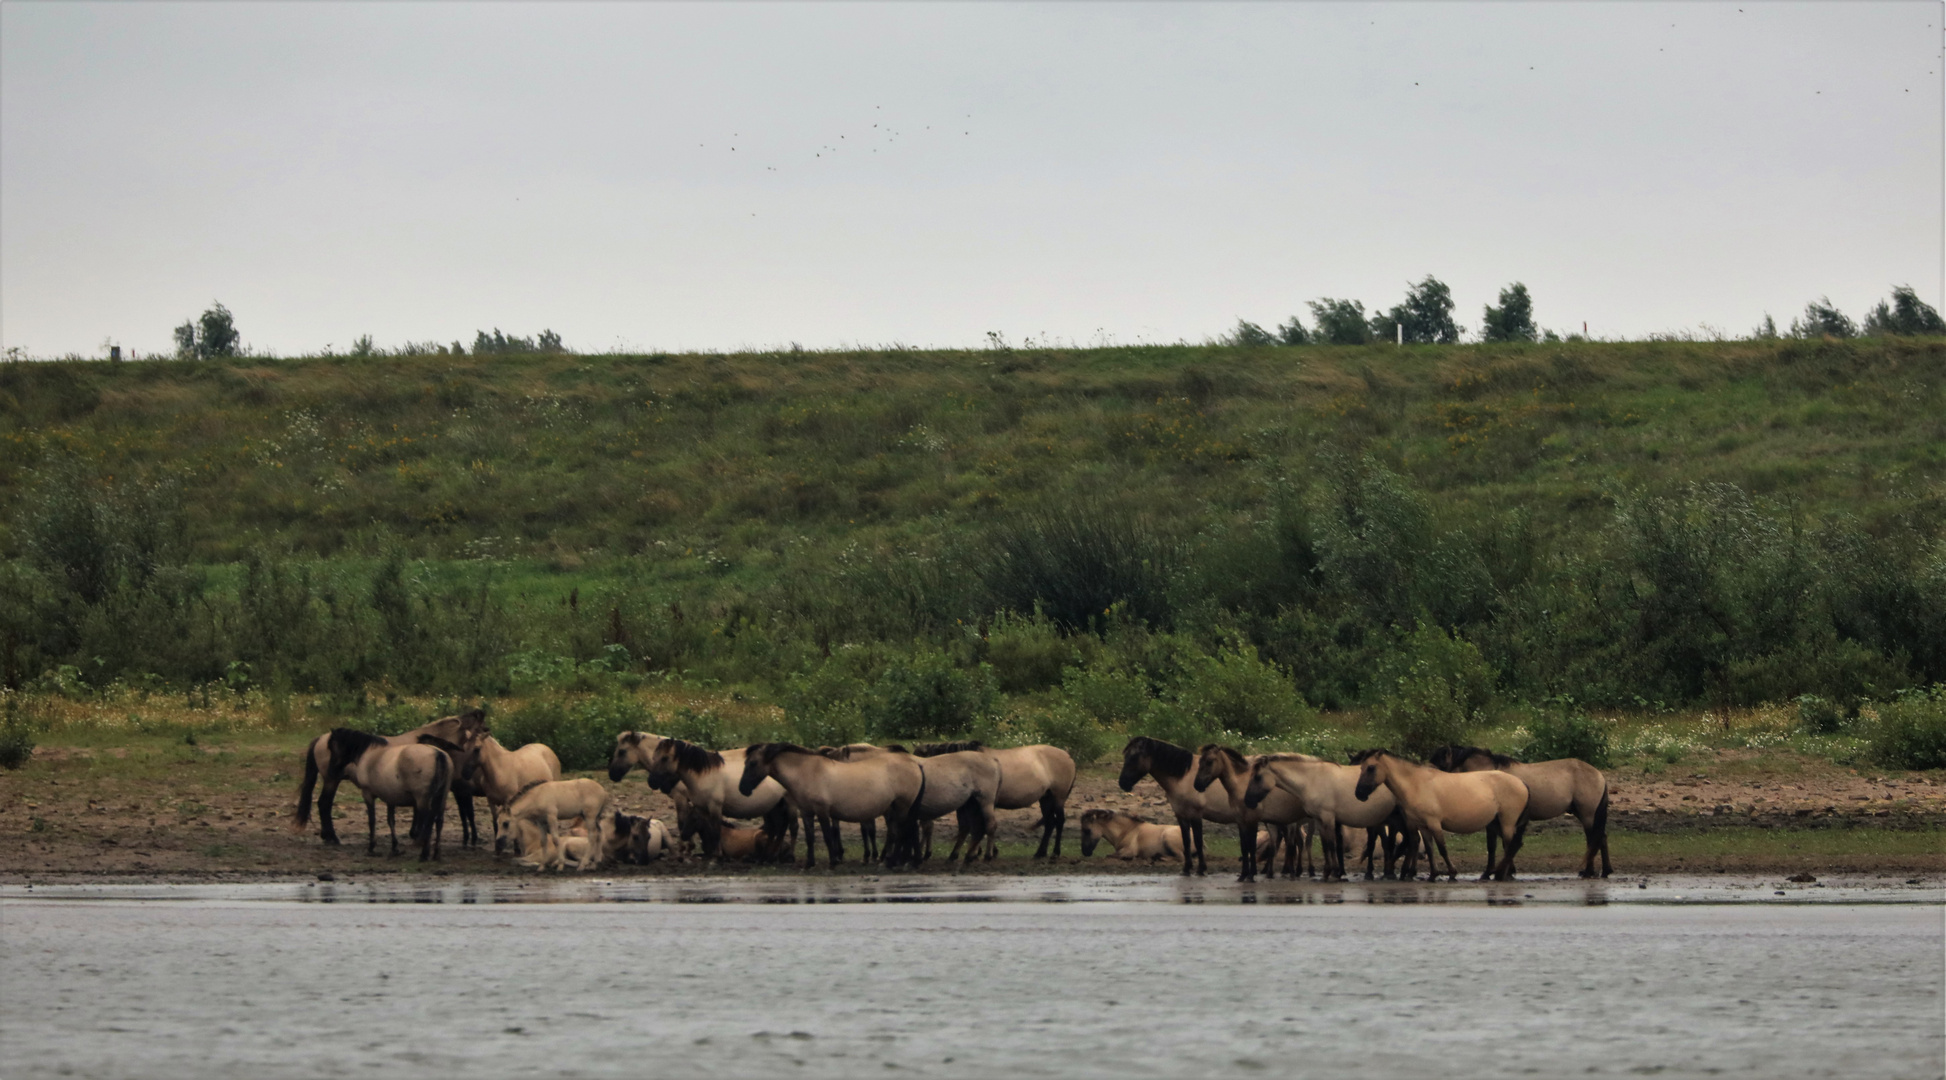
point(1437, 836)
point(834, 842)
point(1188, 845)
point(1202, 857)
point(1060, 822)
point(1515, 838)
point(810, 840)
point(1246, 850)
point(327, 794)
point(1493, 827)
point(371, 826)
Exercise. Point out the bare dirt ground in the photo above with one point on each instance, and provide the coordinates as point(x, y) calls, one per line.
point(194, 813)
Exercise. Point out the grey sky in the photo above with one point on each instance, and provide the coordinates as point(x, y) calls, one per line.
point(649, 175)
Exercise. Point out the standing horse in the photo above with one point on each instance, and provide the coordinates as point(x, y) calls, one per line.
point(826, 792)
point(1562, 786)
point(1214, 763)
point(710, 778)
point(1436, 803)
point(317, 762)
point(501, 774)
point(1327, 794)
point(1174, 770)
point(965, 782)
point(412, 775)
point(1038, 775)
point(636, 750)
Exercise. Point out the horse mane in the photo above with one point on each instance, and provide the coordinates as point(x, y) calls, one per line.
point(934, 749)
point(1358, 757)
point(769, 750)
point(894, 748)
point(695, 758)
point(348, 744)
point(1097, 814)
point(443, 744)
point(1164, 757)
point(1236, 758)
point(531, 785)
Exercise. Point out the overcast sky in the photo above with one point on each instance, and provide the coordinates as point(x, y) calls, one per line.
point(665, 176)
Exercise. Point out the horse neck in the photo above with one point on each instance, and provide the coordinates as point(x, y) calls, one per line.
point(1404, 778)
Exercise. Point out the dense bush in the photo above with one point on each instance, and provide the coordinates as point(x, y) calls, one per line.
point(1028, 652)
point(16, 736)
point(1111, 697)
point(1234, 690)
point(1437, 690)
point(926, 695)
point(1819, 716)
point(1910, 732)
point(1560, 730)
point(1071, 728)
point(580, 730)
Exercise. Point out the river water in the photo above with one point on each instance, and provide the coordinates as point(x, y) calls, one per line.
point(1121, 977)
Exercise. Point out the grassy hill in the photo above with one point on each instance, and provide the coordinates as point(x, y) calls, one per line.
point(1674, 521)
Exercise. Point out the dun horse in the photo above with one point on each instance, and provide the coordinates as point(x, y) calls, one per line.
point(541, 810)
point(500, 773)
point(710, 777)
point(1174, 770)
point(1327, 792)
point(960, 781)
point(1038, 775)
point(411, 774)
point(636, 750)
point(1130, 836)
point(1214, 763)
point(1436, 803)
point(826, 792)
point(1562, 786)
point(317, 762)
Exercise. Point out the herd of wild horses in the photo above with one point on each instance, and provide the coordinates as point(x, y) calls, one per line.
point(1380, 802)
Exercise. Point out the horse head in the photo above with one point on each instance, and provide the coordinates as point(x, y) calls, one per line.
point(1091, 822)
point(1258, 789)
point(756, 767)
point(1135, 761)
point(1208, 766)
point(1374, 767)
point(662, 765)
point(629, 753)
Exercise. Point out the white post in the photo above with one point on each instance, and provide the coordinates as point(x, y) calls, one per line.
point(1400, 327)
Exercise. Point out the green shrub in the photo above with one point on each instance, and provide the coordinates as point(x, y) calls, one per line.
point(702, 728)
point(1437, 690)
point(1170, 722)
point(1072, 729)
point(580, 731)
point(1819, 716)
point(1235, 690)
point(16, 736)
point(1910, 732)
point(824, 706)
point(926, 695)
point(1027, 652)
point(1563, 731)
point(1112, 698)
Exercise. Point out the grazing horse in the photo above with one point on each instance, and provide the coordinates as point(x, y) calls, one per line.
point(317, 762)
point(1327, 794)
point(1214, 763)
point(826, 792)
point(412, 775)
point(1562, 786)
point(1130, 836)
point(710, 778)
point(541, 809)
point(500, 773)
point(1038, 775)
point(1436, 803)
point(1174, 770)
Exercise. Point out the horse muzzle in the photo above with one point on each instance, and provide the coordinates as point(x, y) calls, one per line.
point(1128, 782)
point(617, 770)
point(1364, 789)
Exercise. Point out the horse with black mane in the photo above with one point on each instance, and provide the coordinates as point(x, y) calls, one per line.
point(1568, 786)
point(445, 732)
point(411, 774)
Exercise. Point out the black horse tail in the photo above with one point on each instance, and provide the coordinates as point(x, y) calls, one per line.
point(432, 805)
point(1600, 828)
point(301, 816)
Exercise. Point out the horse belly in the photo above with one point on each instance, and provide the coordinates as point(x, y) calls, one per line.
point(1280, 807)
point(1548, 795)
point(735, 804)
